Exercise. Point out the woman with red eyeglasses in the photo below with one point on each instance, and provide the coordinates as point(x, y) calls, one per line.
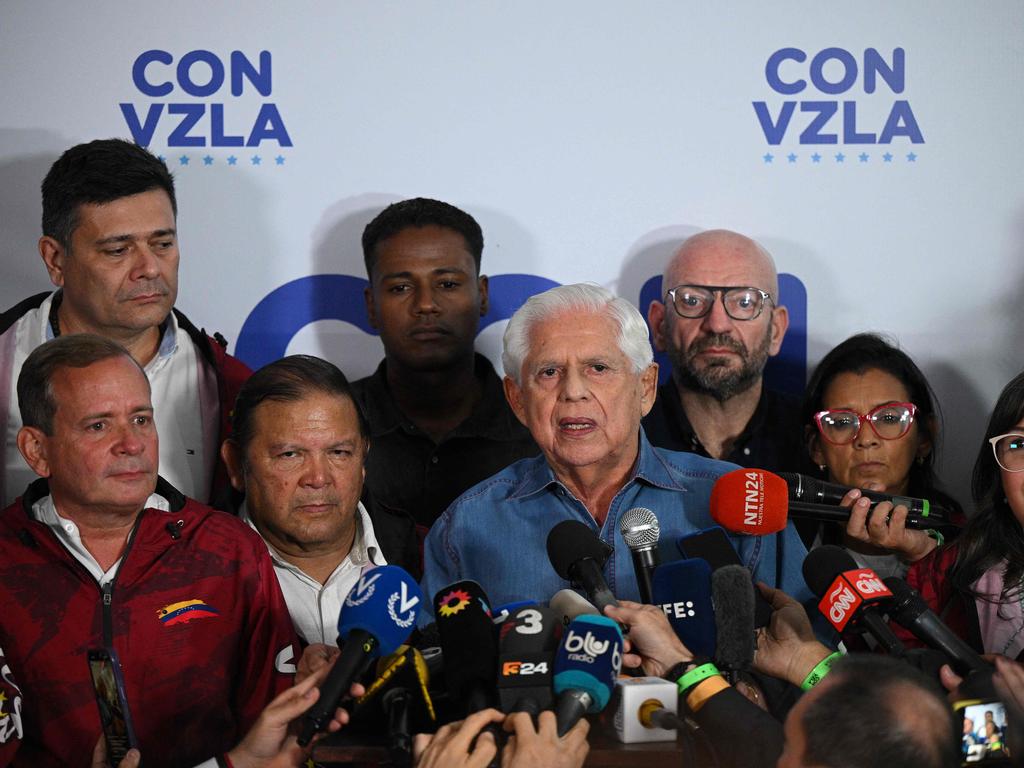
point(976, 584)
point(871, 422)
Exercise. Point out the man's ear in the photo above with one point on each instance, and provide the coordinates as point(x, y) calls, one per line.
point(371, 309)
point(54, 257)
point(485, 301)
point(648, 388)
point(655, 321)
point(33, 444)
point(514, 395)
point(231, 453)
point(779, 323)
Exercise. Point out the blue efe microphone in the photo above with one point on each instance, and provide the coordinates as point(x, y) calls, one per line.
point(377, 616)
point(682, 590)
point(586, 665)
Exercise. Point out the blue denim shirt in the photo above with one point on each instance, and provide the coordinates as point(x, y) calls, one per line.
point(496, 532)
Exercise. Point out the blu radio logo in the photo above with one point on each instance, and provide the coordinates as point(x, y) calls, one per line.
point(838, 97)
point(202, 99)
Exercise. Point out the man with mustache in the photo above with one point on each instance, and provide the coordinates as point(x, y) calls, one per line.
point(438, 418)
point(110, 245)
point(719, 322)
point(297, 452)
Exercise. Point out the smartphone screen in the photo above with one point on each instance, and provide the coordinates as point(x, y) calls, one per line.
point(114, 716)
point(983, 736)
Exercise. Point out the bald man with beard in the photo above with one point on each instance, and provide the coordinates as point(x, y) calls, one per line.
point(719, 321)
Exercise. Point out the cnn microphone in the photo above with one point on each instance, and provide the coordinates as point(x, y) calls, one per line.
point(910, 611)
point(377, 616)
point(586, 665)
point(640, 531)
point(527, 642)
point(578, 555)
point(682, 590)
point(732, 593)
point(468, 642)
point(922, 513)
point(851, 596)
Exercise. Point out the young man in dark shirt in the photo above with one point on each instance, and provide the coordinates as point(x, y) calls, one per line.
point(439, 422)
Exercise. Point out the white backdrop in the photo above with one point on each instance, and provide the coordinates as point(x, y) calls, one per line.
point(586, 137)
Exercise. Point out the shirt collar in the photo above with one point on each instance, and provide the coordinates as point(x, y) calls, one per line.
point(650, 468)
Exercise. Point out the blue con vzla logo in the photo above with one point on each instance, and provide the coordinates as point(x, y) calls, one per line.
point(219, 110)
point(820, 116)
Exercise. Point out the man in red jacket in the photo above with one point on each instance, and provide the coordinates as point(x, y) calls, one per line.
point(101, 553)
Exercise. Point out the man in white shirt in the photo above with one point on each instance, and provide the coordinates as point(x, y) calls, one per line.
point(298, 452)
point(110, 246)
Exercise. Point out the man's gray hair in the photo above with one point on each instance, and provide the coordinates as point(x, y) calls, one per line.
point(587, 298)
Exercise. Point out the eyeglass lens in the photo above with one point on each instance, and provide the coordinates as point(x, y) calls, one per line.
point(1009, 452)
point(888, 421)
point(740, 303)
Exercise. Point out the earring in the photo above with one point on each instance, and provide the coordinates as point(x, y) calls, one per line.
point(822, 467)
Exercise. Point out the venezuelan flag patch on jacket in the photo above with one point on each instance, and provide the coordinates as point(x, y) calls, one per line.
point(185, 611)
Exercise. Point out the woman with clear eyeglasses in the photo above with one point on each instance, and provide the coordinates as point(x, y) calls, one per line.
point(976, 584)
point(871, 423)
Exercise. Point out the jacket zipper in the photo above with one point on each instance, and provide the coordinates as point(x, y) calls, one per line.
point(107, 590)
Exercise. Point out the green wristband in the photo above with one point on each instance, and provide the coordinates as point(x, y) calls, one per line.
point(696, 675)
point(937, 535)
point(821, 669)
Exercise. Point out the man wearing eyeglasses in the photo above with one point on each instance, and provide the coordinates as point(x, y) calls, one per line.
point(719, 321)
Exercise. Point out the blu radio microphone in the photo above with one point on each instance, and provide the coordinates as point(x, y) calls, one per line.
point(578, 555)
point(377, 616)
point(527, 641)
point(586, 665)
point(640, 530)
point(682, 589)
point(851, 596)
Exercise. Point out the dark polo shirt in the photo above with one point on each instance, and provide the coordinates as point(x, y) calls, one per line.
point(773, 438)
point(406, 471)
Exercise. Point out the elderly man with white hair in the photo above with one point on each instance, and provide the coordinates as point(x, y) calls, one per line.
point(580, 375)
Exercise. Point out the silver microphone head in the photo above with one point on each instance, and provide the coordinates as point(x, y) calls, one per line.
point(639, 527)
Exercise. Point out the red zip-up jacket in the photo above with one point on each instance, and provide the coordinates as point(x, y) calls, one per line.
point(195, 614)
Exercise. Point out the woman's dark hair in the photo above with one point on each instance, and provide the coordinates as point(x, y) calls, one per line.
point(869, 351)
point(993, 534)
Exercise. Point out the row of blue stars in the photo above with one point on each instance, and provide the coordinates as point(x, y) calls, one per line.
point(231, 160)
point(839, 157)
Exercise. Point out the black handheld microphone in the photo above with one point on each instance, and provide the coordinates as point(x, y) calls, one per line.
point(850, 596)
point(732, 593)
point(910, 611)
point(376, 617)
point(469, 643)
point(578, 555)
point(641, 531)
point(921, 512)
point(527, 641)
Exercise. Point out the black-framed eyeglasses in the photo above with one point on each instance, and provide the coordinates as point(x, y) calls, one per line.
point(1009, 451)
point(740, 303)
point(890, 421)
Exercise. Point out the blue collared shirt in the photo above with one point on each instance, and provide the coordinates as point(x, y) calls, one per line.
point(496, 532)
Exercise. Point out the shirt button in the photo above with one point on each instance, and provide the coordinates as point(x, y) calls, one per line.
point(746, 451)
point(433, 459)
